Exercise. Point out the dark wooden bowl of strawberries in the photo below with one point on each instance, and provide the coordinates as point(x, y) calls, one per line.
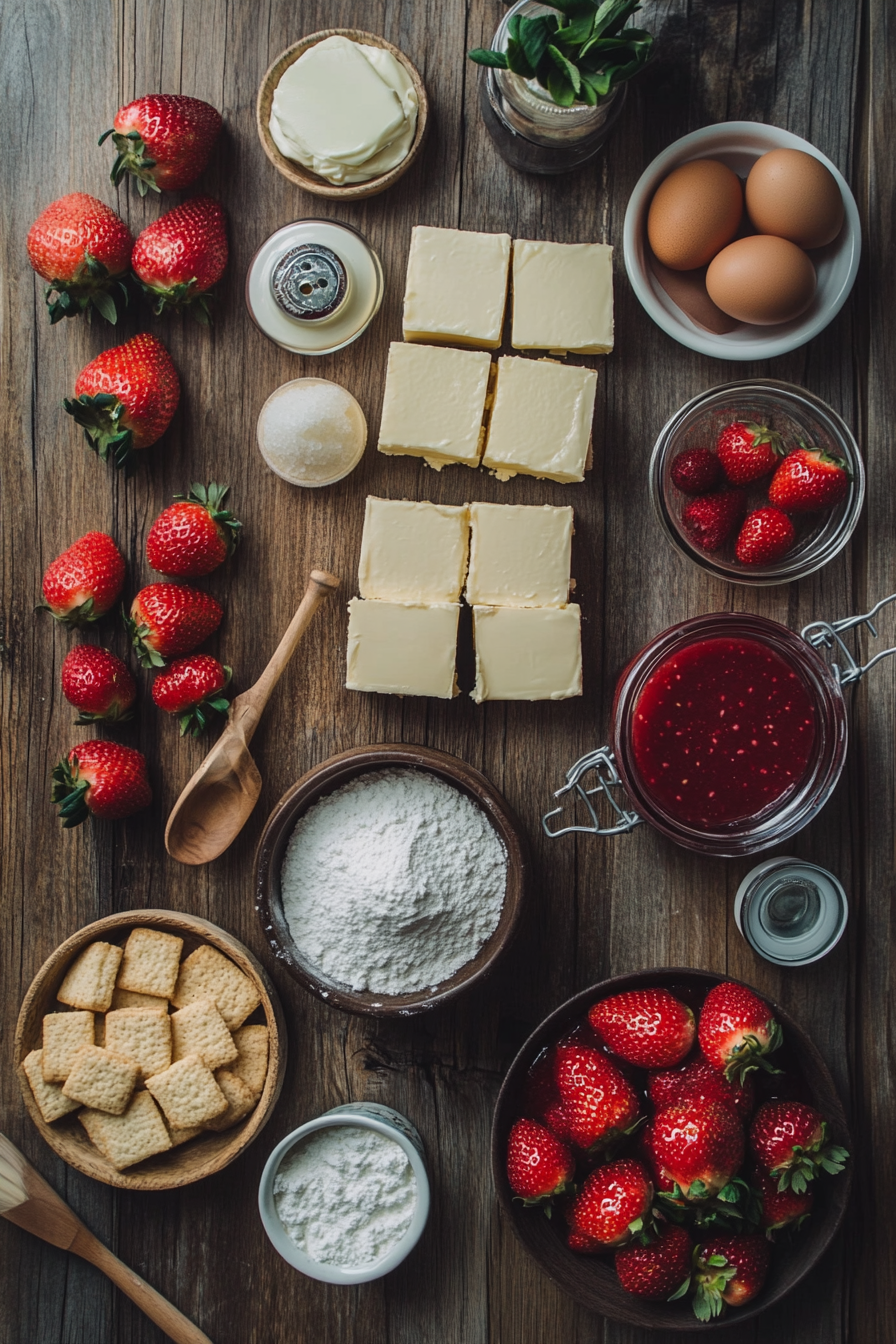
point(686, 1140)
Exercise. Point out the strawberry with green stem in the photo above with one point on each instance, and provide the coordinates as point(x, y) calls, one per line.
point(765, 537)
point(728, 1271)
point(697, 1148)
point(647, 1027)
point(164, 140)
point(539, 1166)
point(710, 519)
point(125, 398)
point(193, 687)
point(83, 250)
point(599, 1102)
point(809, 479)
point(659, 1271)
point(84, 582)
point(737, 1031)
point(790, 1141)
point(102, 779)
point(179, 257)
point(614, 1205)
point(98, 684)
point(748, 451)
point(780, 1208)
point(699, 1081)
point(193, 535)
point(170, 619)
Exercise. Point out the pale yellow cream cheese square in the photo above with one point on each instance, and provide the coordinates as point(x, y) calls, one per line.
point(520, 555)
point(527, 653)
point(434, 403)
point(413, 551)
point(562, 297)
point(402, 648)
point(456, 288)
point(541, 419)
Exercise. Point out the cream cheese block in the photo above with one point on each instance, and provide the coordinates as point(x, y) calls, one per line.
point(527, 653)
point(519, 555)
point(434, 403)
point(541, 419)
point(562, 297)
point(456, 287)
point(413, 552)
point(402, 648)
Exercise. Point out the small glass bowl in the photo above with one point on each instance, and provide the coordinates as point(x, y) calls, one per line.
point(795, 413)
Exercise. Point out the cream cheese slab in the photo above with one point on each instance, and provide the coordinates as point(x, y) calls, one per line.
point(541, 419)
point(519, 555)
point(527, 653)
point(434, 403)
point(456, 287)
point(413, 552)
point(402, 648)
point(562, 297)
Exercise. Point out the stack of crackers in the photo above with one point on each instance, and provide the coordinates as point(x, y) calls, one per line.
point(145, 1079)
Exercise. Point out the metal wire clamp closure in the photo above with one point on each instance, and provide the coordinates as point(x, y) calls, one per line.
point(826, 635)
point(603, 763)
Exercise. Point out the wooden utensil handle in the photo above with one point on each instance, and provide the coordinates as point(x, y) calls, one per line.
point(156, 1307)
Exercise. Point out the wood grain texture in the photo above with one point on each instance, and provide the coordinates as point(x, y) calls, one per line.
point(821, 70)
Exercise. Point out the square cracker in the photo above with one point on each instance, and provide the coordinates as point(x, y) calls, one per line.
point(101, 1080)
point(207, 974)
point(129, 1138)
point(179, 1136)
point(252, 1062)
point(141, 1034)
point(90, 979)
point(199, 1029)
point(129, 998)
point(63, 1036)
point(240, 1101)
point(50, 1101)
point(150, 963)
point(187, 1093)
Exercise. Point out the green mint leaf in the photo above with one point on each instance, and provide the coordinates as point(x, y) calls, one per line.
point(566, 67)
point(535, 35)
point(560, 89)
point(482, 56)
point(516, 60)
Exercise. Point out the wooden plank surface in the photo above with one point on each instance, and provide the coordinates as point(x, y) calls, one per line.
point(598, 908)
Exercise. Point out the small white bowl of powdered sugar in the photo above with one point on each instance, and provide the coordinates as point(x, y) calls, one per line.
point(345, 1197)
point(390, 878)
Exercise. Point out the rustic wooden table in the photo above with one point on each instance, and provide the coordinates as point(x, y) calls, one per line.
point(598, 907)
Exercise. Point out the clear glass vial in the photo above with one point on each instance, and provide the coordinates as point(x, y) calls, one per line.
point(791, 912)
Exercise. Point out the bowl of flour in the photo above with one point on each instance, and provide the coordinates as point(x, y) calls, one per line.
point(390, 878)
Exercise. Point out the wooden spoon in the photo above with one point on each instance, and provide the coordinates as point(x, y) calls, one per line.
point(217, 802)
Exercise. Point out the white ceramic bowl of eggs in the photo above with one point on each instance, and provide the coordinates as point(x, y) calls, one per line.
point(739, 145)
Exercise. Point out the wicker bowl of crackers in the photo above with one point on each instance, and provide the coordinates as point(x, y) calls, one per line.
point(150, 1049)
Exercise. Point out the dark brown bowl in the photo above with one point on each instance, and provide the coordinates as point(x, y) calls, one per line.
point(591, 1280)
point(323, 780)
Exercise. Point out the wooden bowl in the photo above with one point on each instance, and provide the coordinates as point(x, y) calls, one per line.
point(324, 779)
point(202, 1156)
point(591, 1280)
point(297, 173)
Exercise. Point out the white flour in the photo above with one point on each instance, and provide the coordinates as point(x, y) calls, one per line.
point(346, 1196)
point(393, 882)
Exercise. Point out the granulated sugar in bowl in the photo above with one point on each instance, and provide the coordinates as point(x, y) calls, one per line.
point(311, 432)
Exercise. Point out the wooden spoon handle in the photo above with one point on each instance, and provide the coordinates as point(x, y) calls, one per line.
point(157, 1308)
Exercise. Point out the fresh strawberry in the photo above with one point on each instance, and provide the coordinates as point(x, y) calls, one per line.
point(98, 684)
point(696, 471)
point(767, 534)
point(790, 1142)
point(737, 1031)
point(808, 479)
point(699, 1081)
point(698, 1146)
point(728, 1271)
point(613, 1205)
point(164, 139)
point(539, 1166)
point(780, 1208)
point(83, 582)
point(748, 451)
point(102, 778)
point(83, 249)
point(194, 535)
point(648, 1027)
point(179, 257)
point(710, 520)
point(193, 688)
point(585, 1245)
point(541, 1096)
point(170, 619)
point(125, 398)
point(660, 1271)
point(601, 1104)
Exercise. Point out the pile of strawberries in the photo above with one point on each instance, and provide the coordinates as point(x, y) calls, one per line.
point(806, 480)
point(642, 1125)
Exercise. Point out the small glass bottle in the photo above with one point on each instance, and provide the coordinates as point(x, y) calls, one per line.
point(791, 912)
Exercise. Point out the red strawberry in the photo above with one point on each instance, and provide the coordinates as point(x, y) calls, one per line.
point(766, 535)
point(748, 451)
point(737, 1031)
point(192, 687)
point(539, 1166)
point(84, 582)
point(179, 257)
point(648, 1027)
point(541, 1096)
point(194, 535)
point(585, 1245)
point(125, 398)
point(696, 471)
point(164, 139)
point(102, 778)
point(699, 1081)
point(710, 520)
point(83, 249)
point(661, 1271)
point(697, 1145)
point(613, 1205)
point(780, 1208)
point(728, 1270)
point(601, 1104)
point(169, 619)
point(808, 479)
point(790, 1142)
point(98, 684)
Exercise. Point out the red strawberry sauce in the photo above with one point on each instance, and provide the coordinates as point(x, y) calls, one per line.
point(722, 729)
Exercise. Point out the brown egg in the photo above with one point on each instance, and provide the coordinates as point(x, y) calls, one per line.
point(793, 195)
point(695, 211)
point(761, 279)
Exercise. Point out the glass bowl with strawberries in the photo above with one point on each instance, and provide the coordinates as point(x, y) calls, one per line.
point(758, 482)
